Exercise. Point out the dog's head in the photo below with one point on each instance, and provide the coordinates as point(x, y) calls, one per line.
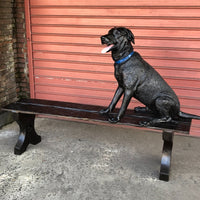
point(117, 38)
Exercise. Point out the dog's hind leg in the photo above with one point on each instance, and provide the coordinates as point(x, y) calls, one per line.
point(164, 106)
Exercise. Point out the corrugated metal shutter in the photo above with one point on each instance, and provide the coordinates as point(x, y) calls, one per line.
point(65, 47)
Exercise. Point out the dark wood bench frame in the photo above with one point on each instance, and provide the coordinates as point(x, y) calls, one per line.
point(27, 109)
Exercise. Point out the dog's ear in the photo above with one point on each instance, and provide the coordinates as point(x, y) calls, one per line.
point(130, 36)
point(126, 32)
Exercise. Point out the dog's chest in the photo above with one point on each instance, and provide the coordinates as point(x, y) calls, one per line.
point(118, 73)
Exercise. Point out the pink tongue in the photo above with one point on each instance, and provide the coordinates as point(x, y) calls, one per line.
point(106, 49)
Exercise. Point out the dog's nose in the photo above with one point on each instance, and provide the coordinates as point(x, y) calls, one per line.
point(104, 40)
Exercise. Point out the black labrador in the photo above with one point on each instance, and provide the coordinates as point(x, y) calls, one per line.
point(136, 78)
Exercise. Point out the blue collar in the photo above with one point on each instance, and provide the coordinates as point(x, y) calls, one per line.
point(124, 59)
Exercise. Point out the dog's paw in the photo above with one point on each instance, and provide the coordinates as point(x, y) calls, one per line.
point(137, 109)
point(145, 123)
point(141, 109)
point(113, 120)
point(104, 111)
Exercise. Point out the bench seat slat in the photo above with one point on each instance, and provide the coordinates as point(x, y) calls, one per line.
point(66, 109)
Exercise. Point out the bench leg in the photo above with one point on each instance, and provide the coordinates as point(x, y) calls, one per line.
point(27, 133)
point(166, 155)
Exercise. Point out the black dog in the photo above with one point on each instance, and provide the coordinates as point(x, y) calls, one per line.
point(136, 78)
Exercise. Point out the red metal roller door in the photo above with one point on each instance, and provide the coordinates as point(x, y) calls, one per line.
point(64, 47)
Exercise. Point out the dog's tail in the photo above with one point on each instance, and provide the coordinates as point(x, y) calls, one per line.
point(187, 115)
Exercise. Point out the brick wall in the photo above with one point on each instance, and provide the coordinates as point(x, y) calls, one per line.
point(14, 82)
point(21, 59)
point(7, 62)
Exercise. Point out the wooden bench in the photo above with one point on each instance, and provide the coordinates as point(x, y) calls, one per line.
point(28, 108)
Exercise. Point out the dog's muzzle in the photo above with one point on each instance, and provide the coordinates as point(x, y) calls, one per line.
point(104, 40)
point(107, 41)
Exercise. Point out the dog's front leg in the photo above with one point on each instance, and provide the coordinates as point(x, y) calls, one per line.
point(128, 93)
point(114, 101)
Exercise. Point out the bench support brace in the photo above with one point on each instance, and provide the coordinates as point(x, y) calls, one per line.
point(27, 133)
point(166, 155)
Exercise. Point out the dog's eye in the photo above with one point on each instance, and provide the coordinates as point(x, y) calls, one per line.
point(117, 33)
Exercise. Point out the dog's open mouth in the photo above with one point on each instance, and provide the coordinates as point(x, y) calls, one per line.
point(107, 49)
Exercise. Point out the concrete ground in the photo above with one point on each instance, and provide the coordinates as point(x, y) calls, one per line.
point(79, 161)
